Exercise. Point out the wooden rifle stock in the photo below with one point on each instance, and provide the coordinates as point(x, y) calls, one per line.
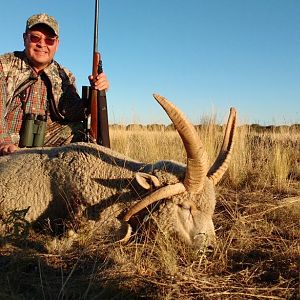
point(94, 103)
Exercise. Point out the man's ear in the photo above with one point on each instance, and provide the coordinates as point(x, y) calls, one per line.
point(146, 180)
point(57, 45)
point(24, 38)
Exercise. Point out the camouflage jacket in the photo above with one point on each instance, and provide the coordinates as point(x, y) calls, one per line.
point(18, 75)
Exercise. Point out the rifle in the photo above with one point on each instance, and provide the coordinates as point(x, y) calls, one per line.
point(97, 128)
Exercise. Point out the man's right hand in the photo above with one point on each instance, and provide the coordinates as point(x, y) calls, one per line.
point(6, 148)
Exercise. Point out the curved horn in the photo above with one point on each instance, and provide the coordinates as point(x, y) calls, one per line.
point(197, 161)
point(164, 192)
point(220, 165)
point(127, 236)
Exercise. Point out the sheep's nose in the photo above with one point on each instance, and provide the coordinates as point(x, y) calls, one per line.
point(204, 242)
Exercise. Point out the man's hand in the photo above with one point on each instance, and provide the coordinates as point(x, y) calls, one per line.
point(6, 148)
point(100, 83)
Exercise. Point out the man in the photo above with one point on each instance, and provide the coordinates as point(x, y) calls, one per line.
point(32, 82)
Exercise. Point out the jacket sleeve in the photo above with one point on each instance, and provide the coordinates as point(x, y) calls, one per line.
point(4, 136)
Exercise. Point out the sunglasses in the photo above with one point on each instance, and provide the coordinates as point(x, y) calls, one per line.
point(36, 39)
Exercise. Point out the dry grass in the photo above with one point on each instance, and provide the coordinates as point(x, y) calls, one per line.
point(258, 252)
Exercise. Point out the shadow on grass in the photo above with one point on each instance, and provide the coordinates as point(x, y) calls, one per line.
point(26, 275)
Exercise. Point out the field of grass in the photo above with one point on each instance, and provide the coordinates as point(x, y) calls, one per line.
point(257, 222)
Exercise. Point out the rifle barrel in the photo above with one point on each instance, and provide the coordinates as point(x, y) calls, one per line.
point(96, 26)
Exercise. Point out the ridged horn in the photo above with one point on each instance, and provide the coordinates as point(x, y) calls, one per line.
point(164, 192)
point(220, 165)
point(197, 161)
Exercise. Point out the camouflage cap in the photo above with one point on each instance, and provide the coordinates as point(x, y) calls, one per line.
point(43, 19)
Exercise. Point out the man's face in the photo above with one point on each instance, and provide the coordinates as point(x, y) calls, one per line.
point(40, 46)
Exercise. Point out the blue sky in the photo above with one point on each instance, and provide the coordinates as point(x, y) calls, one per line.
point(203, 55)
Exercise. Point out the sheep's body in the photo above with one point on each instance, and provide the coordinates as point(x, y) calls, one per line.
point(57, 182)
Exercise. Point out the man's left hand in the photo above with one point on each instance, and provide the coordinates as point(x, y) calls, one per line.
point(100, 83)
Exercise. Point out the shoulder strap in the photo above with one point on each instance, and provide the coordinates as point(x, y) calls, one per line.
point(52, 108)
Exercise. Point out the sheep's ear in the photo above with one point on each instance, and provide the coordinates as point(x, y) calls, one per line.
point(146, 180)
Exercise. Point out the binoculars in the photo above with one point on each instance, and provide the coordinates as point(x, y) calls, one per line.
point(34, 129)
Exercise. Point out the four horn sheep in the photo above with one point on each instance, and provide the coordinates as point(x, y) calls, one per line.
point(55, 183)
